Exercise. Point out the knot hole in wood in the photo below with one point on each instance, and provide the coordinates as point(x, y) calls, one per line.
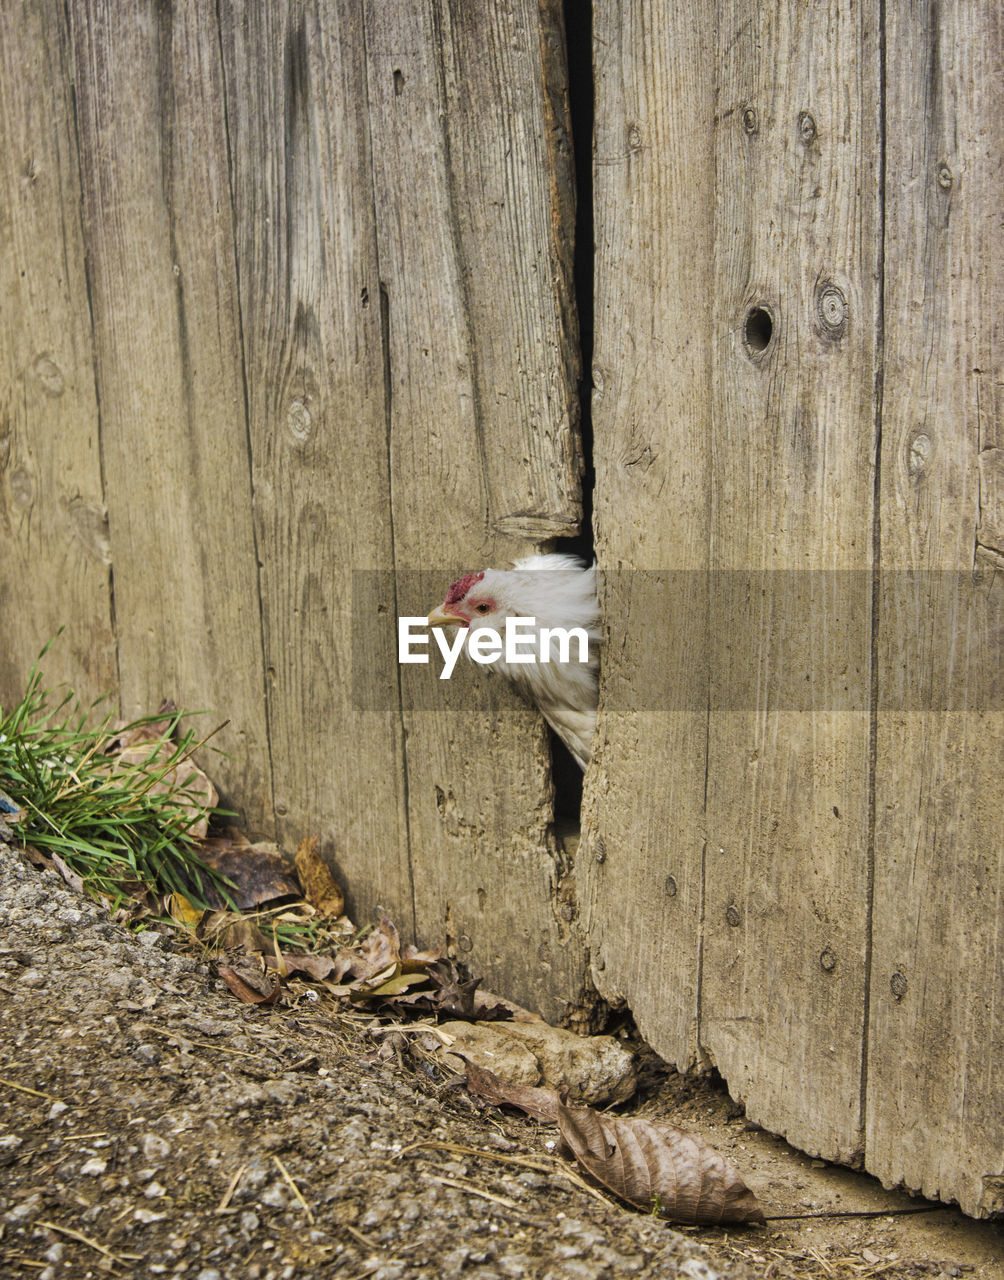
point(758, 329)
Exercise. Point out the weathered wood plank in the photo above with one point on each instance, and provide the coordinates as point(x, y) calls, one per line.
point(643, 818)
point(935, 1099)
point(792, 456)
point(310, 303)
point(54, 550)
point(173, 431)
point(474, 263)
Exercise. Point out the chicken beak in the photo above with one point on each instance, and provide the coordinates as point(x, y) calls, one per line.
point(437, 618)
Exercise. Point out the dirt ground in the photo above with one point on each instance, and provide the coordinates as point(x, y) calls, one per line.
point(151, 1125)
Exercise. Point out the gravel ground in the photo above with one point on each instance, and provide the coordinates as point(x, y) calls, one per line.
point(153, 1125)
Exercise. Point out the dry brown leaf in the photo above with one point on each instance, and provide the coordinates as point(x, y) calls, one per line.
point(658, 1167)
point(147, 747)
point(541, 1104)
point(251, 988)
point(231, 931)
point(319, 886)
point(149, 731)
point(37, 858)
point(379, 950)
point(259, 872)
point(316, 967)
point(388, 986)
point(75, 882)
point(184, 911)
point(412, 959)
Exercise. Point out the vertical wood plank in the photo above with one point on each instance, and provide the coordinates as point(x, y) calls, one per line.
point(643, 819)
point(475, 260)
point(54, 549)
point(787, 872)
point(174, 437)
point(310, 302)
point(935, 1098)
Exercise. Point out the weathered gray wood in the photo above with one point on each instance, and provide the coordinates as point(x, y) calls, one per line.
point(366, 208)
point(643, 818)
point(793, 450)
point(310, 305)
point(173, 432)
point(474, 253)
point(935, 1100)
point(790, 434)
point(54, 550)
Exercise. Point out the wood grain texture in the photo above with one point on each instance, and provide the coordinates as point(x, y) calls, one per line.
point(54, 550)
point(935, 1100)
point(310, 305)
point(288, 287)
point(643, 817)
point(793, 453)
point(173, 432)
point(474, 254)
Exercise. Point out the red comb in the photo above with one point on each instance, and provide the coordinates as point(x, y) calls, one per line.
point(460, 588)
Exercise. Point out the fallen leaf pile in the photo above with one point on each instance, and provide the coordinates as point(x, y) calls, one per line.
point(369, 967)
point(282, 935)
point(649, 1163)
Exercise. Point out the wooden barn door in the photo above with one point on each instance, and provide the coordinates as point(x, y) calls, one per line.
point(737, 179)
point(474, 217)
point(793, 841)
point(935, 1097)
point(287, 310)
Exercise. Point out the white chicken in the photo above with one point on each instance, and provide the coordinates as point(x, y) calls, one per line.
point(559, 592)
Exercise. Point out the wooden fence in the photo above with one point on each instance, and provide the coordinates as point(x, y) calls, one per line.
point(289, 339)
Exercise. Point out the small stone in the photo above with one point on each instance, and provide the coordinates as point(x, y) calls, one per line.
point(55, 1254)
point(26, 1209)
point(146, 1216)
point(389, 1271)
point(698, 1270)
point(91, 1168)
point(154, 1191)
point(155, 1147)
point(57, 1109)
point(275, 1196)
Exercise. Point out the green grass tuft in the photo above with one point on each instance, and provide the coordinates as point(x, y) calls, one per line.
point(109, 825)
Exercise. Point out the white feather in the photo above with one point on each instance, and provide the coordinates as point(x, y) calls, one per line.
point(559, 591)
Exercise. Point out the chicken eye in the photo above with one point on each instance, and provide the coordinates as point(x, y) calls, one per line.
point(482, 607)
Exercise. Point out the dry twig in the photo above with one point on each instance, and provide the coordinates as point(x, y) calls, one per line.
point(91, 1244)
point(474, 1191)
point(228, 1196)
point(296, 1190)
point(36, 1093)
